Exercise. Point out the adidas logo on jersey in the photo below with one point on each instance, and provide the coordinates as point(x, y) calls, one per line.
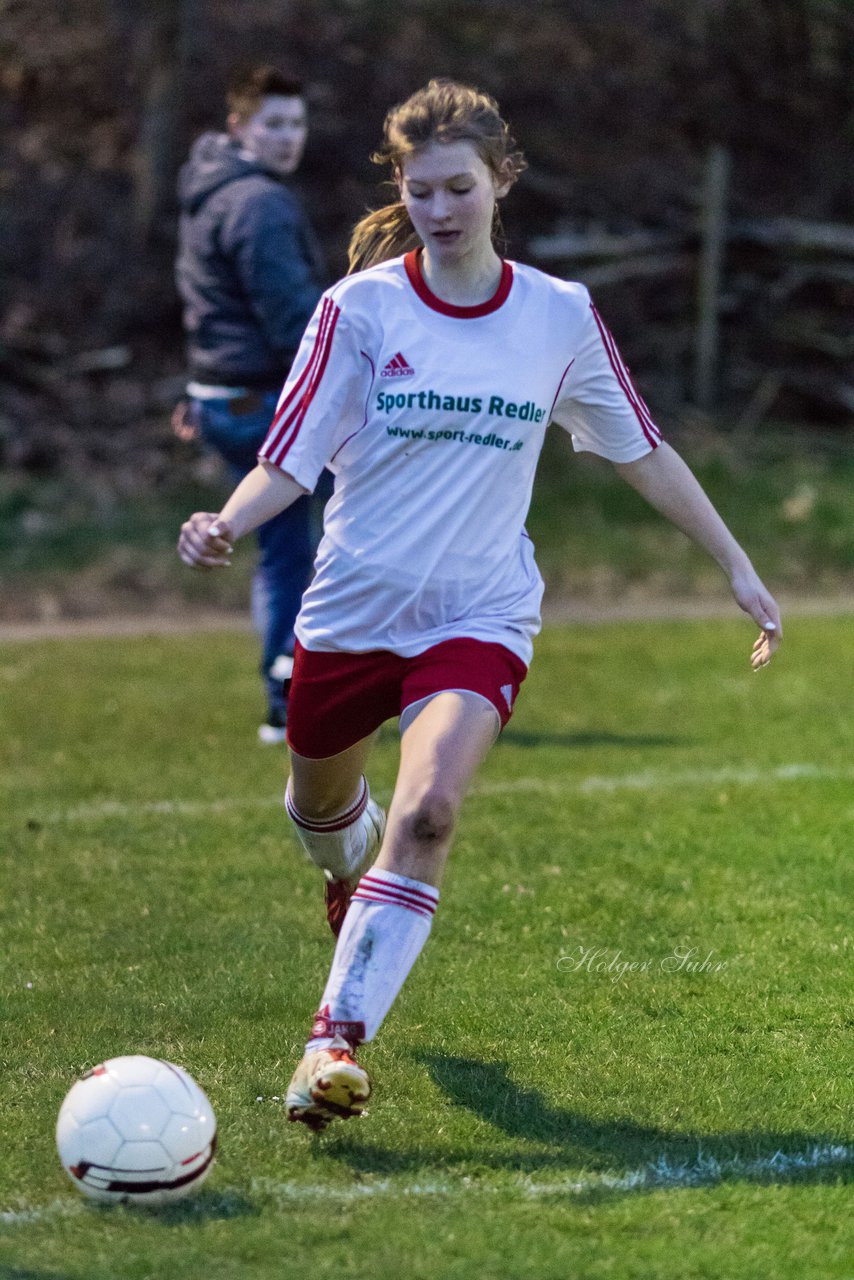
point(397, 367)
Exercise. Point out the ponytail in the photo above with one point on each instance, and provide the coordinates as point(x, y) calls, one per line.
point(386, 233)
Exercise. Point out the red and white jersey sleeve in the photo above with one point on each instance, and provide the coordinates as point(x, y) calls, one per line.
point(597, 402)
point(324, 400)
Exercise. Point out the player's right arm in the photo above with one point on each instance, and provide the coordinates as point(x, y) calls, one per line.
point(323, 402)
point(206, 540)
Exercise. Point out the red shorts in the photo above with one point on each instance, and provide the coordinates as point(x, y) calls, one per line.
point(336, 699)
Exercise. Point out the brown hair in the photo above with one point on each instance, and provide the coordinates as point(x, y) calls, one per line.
point(443, 111)
point(249, 88)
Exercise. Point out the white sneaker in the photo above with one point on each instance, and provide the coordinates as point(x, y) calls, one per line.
point(272, 734)
point(337, 893)
point(327, 1085)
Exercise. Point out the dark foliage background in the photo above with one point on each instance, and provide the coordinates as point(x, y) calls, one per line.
point(614, 101)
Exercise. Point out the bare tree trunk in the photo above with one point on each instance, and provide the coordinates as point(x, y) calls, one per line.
point(162, 35)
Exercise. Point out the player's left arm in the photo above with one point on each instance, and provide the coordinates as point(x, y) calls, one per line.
point(669, 485)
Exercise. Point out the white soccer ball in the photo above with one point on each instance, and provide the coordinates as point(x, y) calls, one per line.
point(136, 1130)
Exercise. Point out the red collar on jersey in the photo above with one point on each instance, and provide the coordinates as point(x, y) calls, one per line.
point(412, 263)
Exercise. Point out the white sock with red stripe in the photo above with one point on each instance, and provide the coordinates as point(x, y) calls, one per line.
point(336, 844)
point(387, 923)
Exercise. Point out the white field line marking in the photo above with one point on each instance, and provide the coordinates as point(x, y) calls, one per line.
point(660, 1174)
point(178, 808)
point(744, 776)
point(28, 1214)
point(650, 781)
point(705, 1171)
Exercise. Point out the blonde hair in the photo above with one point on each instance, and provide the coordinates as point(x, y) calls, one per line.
point(443, 111)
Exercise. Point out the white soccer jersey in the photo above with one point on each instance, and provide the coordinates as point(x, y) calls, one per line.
point(432, 418)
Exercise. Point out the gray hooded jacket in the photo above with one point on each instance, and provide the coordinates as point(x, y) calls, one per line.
point(249, 269)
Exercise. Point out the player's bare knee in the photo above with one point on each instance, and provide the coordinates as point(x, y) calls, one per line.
point(430, 821)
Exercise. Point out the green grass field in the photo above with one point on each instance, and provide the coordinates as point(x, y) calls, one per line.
point(81, 547)
point(540, 1109)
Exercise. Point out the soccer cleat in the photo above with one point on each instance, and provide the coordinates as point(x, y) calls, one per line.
point(336, 896)
point(327, 1085)
point(337, 893)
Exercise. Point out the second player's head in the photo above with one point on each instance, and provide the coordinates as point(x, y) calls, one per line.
point(267, 117)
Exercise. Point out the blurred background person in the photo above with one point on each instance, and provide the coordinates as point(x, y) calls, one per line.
point(250, 271)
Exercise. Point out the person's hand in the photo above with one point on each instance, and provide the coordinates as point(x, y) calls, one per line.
point(205, 542)
point(756, 601)
point(184, 424)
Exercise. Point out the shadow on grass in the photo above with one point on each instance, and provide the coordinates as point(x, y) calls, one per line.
point(590, 738)
point(573, 1142)
point(204, 1206)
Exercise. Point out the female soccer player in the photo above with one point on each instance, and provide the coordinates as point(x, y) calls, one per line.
point(425, 382)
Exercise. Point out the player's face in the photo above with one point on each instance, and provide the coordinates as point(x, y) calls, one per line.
point(276, 134)
point(450, 194)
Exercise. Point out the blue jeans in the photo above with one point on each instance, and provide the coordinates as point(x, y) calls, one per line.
point(286, 543)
